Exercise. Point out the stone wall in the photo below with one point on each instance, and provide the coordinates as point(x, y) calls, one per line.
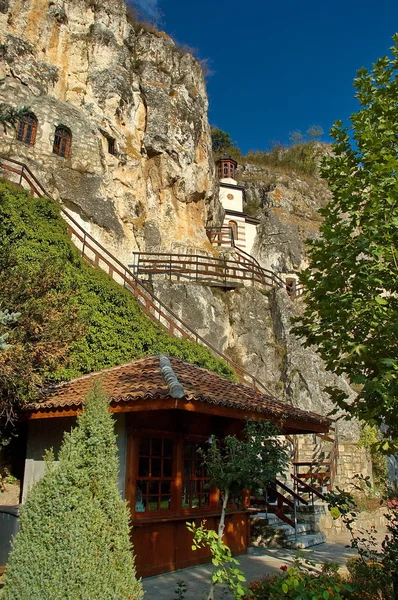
point(322, 521)
point(287, 205)
point(88, 66)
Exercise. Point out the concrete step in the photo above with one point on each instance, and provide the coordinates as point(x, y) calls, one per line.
point(305, 541)
point(288, 532)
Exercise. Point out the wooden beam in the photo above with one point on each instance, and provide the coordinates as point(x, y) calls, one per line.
point(288, 424)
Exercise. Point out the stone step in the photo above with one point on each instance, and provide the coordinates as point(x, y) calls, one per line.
point(305, 541)
point(288, 531)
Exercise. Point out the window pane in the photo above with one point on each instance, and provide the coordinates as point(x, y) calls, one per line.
point(164, 503)
point(156, 447)
point(140, 493)
point(144, 447)
point(165, 487)
point(143, 467)
point(185, 494)
point(153, 503)
point(156, 467)
point(167, 467)
point(187, 449)
point(154, 487)
point(168, 448)
point(198, 470)
point(187, 468)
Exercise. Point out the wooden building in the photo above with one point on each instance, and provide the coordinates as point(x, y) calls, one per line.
point(165, 409)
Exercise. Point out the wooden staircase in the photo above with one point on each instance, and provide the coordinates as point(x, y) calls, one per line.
point(318, 466)
point(224, 238)
point(280, 506)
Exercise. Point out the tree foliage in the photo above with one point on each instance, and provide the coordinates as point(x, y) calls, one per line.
point(6, 318)
point(252, 461)
point(351, 314)
point(74, 537)
point(9, 116)
point(74, 319)
point(222, 143)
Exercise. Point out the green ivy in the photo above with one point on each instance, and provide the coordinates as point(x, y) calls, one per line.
point(115, 329)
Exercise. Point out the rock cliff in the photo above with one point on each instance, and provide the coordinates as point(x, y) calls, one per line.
point(288, 205)
point(140, 174)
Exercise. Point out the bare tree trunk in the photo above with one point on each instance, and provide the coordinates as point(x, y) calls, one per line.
point(221, 525)
point(220, 533)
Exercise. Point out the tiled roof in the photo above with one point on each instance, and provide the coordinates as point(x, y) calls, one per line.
point(143, 380)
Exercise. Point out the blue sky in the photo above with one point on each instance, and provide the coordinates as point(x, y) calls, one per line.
point(279, 66)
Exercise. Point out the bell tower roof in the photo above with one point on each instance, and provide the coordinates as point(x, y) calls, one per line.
point(226, 167)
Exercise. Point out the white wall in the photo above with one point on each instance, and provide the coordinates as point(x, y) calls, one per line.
point(234, 203)
point(250, 230)
point(44, 434)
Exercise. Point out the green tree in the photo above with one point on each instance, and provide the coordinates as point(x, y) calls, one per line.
point(234, 464)
point(9, 116)
point(351, 314)
point(221, 142)
point(74, 537)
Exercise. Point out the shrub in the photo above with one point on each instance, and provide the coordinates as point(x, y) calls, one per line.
point(74, 537)
point(74, 318)
point(298, 582)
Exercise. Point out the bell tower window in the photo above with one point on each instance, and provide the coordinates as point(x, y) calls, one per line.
point(226, 167)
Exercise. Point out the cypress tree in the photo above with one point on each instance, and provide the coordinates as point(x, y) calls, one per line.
point(74, 538)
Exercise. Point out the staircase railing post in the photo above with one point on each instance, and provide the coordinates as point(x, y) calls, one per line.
point(295, 518)
point(21, 176)
point(84, 243)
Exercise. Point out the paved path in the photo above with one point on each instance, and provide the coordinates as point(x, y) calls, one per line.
point(255, 566)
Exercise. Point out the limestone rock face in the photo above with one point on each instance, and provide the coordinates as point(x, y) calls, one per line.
point(140, 174)
point(254, 329)
point(287, 205)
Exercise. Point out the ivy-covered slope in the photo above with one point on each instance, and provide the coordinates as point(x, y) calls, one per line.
point(109, 327)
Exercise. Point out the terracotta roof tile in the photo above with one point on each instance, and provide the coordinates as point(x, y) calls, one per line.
point(143, 380)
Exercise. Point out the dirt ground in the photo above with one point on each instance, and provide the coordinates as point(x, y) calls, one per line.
point(10, 496)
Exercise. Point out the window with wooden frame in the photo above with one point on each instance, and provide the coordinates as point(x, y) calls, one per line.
point(62, 141)
point(226, 169)
point(195, 487)
point(27, 129)
point(153, 492)
point(169, 478)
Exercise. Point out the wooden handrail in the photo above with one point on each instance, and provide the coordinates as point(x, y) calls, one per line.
point(152, 305)
point(309, 487)
point(291, 492)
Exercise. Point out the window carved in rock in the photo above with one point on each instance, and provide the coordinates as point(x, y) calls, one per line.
point(27, 129)
point(62, 141)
